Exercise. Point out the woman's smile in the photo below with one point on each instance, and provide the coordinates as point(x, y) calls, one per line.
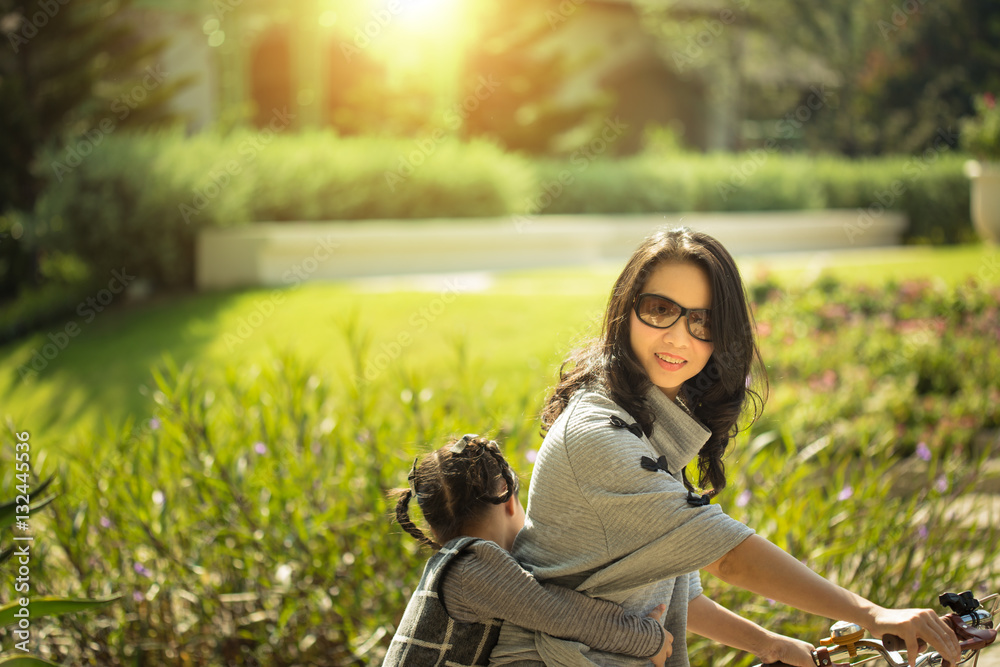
point(672, 356)
point(671, 362)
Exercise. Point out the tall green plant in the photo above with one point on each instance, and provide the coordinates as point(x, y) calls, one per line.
point(36, 607)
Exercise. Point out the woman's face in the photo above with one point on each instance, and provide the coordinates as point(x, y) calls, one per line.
point(672, 356)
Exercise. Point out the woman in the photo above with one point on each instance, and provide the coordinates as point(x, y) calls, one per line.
point(611, 512)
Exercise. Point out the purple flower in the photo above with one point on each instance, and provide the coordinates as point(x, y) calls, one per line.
point(923, 451)
point(845, 493)
point(141, 569)
point(260, 448)
point(941, 484)
point(744, 498)
point(154, 424)
point(531, 455)
point(105, 522)
point(138, 596)
point(922, 532)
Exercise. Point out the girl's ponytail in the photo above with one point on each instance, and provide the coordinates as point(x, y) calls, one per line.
point(403, 517)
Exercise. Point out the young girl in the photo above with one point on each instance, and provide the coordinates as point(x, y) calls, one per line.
point(467, 492)
point(668, 379)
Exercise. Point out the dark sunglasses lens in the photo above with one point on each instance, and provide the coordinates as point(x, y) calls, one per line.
point(700, 324)
point(657, 312)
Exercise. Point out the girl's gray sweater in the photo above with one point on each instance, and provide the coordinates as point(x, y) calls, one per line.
point(600, 522)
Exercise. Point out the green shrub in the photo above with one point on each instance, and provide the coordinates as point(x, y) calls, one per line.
point(134, 203)
point(137, 201)
point(626, 186)
point(930, 189)
point(319, 176)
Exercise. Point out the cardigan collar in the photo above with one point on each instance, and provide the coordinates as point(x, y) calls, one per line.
point(677, 434)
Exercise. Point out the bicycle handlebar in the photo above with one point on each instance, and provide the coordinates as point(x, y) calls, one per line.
point(972, 624)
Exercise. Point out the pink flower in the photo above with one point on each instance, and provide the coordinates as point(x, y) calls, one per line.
point(923, 451)
point(744, 498)
point(941, 484)
point(845, 493)
point(531, 455)
point(141, 569)
point(260, 448)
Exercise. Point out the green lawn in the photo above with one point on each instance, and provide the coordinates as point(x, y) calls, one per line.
point(515, 327)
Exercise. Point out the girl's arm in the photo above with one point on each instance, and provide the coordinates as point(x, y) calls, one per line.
point(488, 583)
point(708, 619)
point(761, 567)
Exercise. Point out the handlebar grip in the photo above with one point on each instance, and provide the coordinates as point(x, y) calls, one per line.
point(893, 643)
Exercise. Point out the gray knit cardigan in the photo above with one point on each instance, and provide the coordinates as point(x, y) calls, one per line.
point(600, 522)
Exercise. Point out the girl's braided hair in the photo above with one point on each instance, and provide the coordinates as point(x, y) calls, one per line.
point(454, 486)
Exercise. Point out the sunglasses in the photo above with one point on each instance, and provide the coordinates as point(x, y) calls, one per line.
point(660, 312)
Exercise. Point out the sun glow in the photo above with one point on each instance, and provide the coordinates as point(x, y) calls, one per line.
point(438, 18)
point(423, 40)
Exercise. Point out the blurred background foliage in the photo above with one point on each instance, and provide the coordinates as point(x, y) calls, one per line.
point(244, 517)
point(895, 74)
point(546, 82)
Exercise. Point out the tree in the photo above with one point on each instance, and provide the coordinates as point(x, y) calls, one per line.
point(890, 76)
point(70, 73)
point(948, 52)
point(513, 88)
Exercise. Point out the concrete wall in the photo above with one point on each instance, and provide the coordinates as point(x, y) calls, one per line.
point(274, 254)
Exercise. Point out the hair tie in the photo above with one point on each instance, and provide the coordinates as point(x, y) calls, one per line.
point(460, 445)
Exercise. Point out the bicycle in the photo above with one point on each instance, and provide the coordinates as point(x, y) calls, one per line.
point(972, 623)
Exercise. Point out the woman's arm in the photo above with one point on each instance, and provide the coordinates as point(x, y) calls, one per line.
point(488, 583)
point(761, 567)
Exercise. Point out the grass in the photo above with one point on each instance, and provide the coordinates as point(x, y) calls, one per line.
point(949, 264)
point(250, 524)
point(515, 325)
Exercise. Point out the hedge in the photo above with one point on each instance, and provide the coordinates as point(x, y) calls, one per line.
point(139, 200)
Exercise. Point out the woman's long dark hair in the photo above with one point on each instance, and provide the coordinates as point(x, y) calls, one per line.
point(719, 393)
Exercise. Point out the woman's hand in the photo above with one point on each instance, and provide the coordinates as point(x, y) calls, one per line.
point(912, 625)
point(788, 651)
point(668, 643)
